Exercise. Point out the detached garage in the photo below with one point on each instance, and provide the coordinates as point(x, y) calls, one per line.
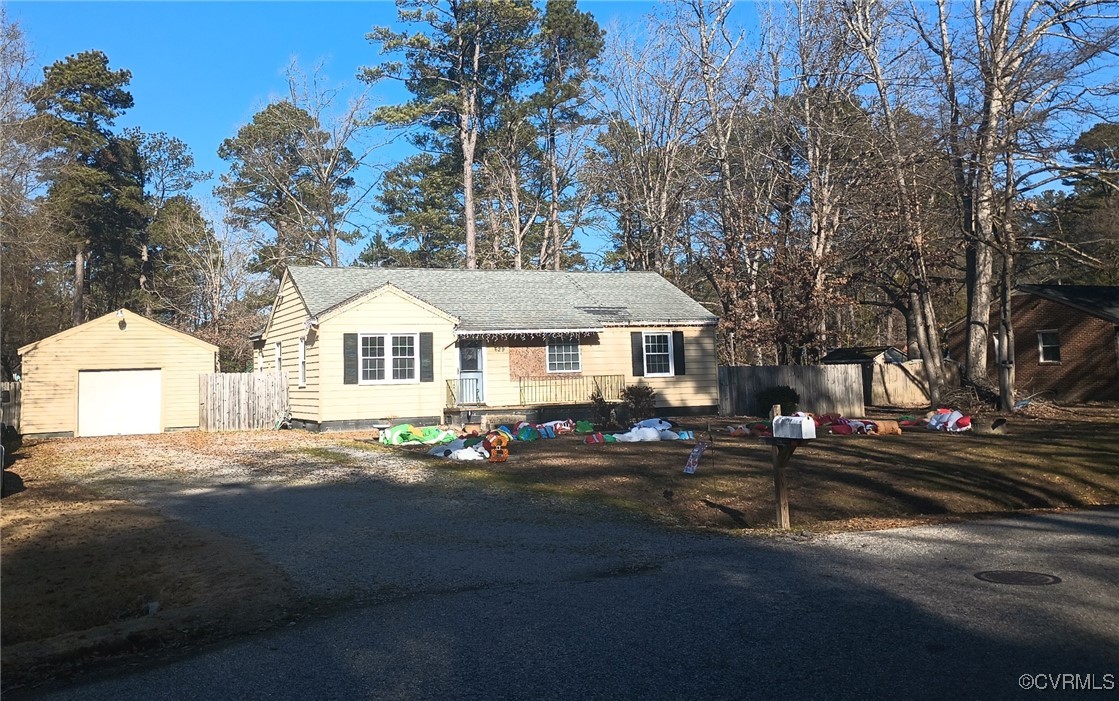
point(116, 375)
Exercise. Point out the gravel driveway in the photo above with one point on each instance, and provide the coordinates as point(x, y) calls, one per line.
point(350, 522)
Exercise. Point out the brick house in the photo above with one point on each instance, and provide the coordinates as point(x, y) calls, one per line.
point(1066, 340)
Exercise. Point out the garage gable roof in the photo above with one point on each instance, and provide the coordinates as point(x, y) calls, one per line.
point(111, 317)
point(509, 301)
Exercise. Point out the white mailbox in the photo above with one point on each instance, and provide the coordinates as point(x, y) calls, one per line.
point(798, 427)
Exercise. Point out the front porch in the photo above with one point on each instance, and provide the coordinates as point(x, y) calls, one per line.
point(464, 394)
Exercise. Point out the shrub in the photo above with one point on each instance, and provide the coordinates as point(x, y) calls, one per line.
point(601, 410)
point(640, 400)
point(787, 397)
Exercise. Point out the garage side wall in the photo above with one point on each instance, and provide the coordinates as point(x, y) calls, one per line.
point(50, 370)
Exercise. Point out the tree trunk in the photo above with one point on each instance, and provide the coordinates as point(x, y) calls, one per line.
point(925, 347)
point(145, 278)
point(468, 199)
point(980, 274)
point(78, 315)
point(1006, 320)
point(994, 64)
point(906, 309)
point(553, 203)
point(468, 139)
point(332, 248)
point(1006, 338)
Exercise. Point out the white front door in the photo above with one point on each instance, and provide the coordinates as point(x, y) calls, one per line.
point(119, 402)
point(470, 373)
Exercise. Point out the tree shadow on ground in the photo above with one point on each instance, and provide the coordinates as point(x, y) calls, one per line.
point(716, 618)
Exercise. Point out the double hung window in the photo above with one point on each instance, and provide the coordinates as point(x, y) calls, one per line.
point(658, 354)
point(563, 356)
point(388, 358)
point(1048, 347)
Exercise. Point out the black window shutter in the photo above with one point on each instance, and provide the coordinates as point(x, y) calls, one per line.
point(637, 346)
point(678, 352)
point(427, 360)
point(349, 358)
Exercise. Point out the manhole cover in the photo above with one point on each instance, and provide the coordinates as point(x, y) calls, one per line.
point(1032, 579)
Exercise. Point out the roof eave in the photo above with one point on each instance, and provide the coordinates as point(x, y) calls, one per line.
point(1044, 292)
point(532, 332)
point(664, 322)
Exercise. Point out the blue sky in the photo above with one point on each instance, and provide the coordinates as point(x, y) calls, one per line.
point(200, 70)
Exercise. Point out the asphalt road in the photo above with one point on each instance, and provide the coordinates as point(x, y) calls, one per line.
point(582, 609)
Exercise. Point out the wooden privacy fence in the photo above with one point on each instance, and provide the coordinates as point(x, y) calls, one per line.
point(902, 385)
point(241, 401)
point(12, 402)
point(823, 389)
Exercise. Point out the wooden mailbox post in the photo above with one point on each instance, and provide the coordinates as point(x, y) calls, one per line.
point(785, 441)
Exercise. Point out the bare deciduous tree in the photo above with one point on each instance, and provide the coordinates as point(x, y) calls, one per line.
point(301, 168)
point(1010, 73)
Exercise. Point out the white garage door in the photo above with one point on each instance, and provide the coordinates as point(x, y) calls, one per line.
point(116, 402)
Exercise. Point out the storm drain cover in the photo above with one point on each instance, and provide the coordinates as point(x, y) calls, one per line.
point(1030, 579)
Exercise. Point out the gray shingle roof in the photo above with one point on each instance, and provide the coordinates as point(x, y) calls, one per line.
point(490, 301)
point(1097, 300)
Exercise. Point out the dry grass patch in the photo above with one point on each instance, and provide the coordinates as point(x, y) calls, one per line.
point(88, 578)
point(83, 568)
point(836, 482)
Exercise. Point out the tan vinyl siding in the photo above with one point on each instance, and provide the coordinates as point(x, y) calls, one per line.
point(698, 387)
point(50, 369)
point(500, 388)
point(609, 353)
point(288, 324)
point(387, 312)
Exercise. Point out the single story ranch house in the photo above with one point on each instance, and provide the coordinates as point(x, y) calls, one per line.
point(365, 346)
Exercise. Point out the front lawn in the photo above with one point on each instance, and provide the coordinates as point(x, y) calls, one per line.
point(835, 482)
point(92, 573)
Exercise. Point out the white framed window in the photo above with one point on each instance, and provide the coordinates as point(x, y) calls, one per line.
point(658, 353)
point(388, 357)
point(563, 356)
point(404, 359)
point(302, 361)
point(1048, 346)
point(278, 356)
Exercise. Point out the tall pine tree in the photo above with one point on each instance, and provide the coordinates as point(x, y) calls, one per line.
point(96, 195)
point(464, 59)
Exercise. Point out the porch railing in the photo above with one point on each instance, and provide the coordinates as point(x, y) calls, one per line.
point(570, 390)
point(464, 391)
point(551, 390)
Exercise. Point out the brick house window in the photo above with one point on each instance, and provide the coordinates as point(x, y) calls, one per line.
point(1048, 347)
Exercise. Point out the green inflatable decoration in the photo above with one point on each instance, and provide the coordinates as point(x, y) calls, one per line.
point(407, 434)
